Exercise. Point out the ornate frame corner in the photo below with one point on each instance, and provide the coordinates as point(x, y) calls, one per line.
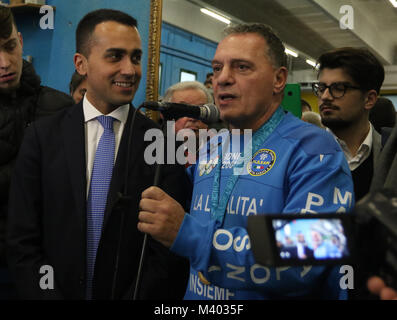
point(152, 79)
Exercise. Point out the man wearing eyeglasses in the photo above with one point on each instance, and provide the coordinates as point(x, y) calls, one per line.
point(349, 83)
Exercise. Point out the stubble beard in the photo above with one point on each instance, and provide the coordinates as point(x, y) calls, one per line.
point(335, 123)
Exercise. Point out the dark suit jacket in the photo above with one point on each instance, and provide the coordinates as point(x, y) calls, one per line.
point(47, 215)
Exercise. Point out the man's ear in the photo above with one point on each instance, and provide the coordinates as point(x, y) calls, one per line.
point(280, 80)
point(370, 99)
point(80, 63)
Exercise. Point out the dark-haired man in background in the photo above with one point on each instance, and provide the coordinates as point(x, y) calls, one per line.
point(349, 84)
point(22, 100)
point(70, 171)
point(77, 87)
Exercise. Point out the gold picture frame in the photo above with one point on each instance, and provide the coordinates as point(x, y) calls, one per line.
point(152, 79)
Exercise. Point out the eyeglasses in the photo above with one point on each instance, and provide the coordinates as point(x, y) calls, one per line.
point(337, 89)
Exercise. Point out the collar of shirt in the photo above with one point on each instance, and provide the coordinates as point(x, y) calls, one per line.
point(363, 151)
point(90, 112)
point(93, 132)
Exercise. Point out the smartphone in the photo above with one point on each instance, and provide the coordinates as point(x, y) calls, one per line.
point(292, 99)
point(301, 239)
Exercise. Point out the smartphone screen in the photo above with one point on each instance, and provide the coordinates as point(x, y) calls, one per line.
point(308, 239)
point(301, 239)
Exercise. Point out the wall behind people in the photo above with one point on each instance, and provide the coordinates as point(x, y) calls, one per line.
point(311, 99)
point(53, 50)
point(183, 51)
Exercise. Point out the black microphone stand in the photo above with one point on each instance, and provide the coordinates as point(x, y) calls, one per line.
point(123, 201)
point(156, 183)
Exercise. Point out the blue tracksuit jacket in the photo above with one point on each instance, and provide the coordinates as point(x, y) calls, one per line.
point(299, 168)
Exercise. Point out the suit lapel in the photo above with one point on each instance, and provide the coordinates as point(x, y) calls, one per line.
point(72, 130)
point(119, 170)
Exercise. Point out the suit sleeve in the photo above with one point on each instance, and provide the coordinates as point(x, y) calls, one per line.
point(24, 230)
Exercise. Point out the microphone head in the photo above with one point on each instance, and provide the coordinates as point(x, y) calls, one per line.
point(210, 113)
point(152, 105)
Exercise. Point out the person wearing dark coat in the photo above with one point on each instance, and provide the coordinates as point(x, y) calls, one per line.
point(66, 215)
point(22, 100)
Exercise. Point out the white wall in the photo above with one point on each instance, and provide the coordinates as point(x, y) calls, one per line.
point(390, 82)
point(188, 16)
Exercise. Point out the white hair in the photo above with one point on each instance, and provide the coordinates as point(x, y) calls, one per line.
point(185, 86)
point(313, 118)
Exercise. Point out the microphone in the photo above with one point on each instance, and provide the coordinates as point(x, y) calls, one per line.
point(207, 113)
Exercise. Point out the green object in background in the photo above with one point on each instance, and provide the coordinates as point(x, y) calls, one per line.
point(292, 99)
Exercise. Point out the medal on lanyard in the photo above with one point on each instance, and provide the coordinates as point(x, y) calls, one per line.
point(218, 206)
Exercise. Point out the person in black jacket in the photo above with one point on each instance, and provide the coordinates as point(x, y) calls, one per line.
point(64, 211)
point(22, 100)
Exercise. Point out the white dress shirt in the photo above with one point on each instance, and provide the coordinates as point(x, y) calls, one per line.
point(94, 130)
point(363, 151)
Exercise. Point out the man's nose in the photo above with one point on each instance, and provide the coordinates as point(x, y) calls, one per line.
point(326, 95)
point(224, 77)
point(4, 60)
point(128, 67)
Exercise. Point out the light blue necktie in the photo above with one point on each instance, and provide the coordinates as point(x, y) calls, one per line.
point(98, 193)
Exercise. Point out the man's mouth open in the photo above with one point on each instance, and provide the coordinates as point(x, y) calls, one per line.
point(7, 77)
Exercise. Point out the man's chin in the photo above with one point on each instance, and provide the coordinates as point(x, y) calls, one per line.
point(228, 118)
point(9, 88)
point(335, 123)
point(121, 102)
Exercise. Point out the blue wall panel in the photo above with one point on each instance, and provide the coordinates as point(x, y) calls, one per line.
point(36, 42)
point(183, 50)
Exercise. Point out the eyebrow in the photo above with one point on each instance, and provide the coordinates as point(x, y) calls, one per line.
point(11, 41)
point(335, 82)
point(233, 61)
point(134, 52)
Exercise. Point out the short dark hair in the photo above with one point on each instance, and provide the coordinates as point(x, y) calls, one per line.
point(88, 23)
point(75, 81)
point(305, 103)
point(359, 63)
point(276, 47)
point(6, 22)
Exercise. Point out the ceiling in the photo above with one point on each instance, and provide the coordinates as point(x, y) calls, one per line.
point(313, 26)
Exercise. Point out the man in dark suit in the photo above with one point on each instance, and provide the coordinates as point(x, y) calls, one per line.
point(64, 208)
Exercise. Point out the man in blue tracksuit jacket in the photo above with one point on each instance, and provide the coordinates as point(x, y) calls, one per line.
point(287, 167)
point(303, 170)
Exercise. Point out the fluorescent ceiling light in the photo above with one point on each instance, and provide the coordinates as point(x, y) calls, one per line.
point(215, 15)
point(291, 53)
point(394, 3)
point(311, 62)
